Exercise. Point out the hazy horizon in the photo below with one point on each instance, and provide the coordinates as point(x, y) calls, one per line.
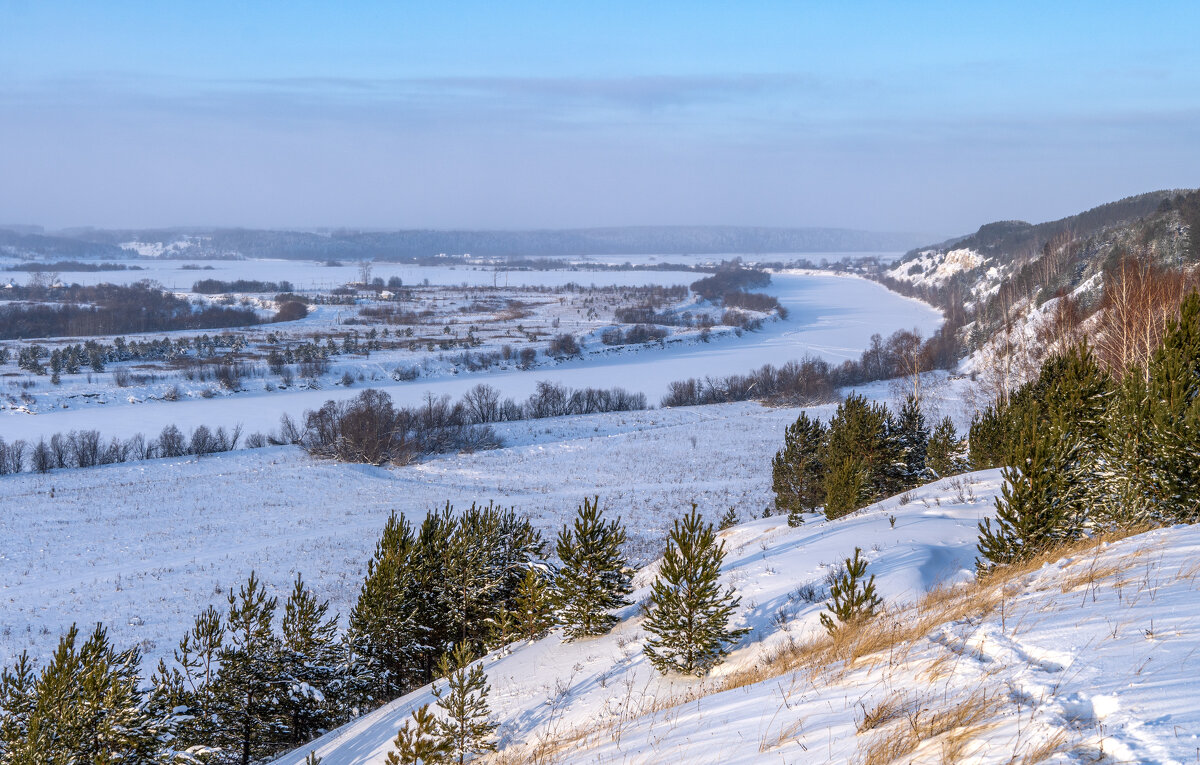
point(876, 117)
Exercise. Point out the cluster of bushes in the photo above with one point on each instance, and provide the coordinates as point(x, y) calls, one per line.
point(730, 277)
point(86, 448)
point(391, 314)
point(562, 346)
point(639, 333)
point(864, 454)
point(71, 265)
point(753, 301)
point(1083, 449)
point(370, 428)
point(216, 286)
point(93, 355)
point(109, 309)
point(814, 381)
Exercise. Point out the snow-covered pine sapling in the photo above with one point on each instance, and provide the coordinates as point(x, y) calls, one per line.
point(689, 610)
point(314, 759)
point(534, 605)
point(852, 595)
point(730, 519)
point(419, 741)
point(594, 578)
point(467, 726)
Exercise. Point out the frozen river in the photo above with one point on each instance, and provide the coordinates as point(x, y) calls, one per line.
point(832, 317)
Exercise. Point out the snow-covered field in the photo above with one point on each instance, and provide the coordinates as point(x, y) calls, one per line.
point(1091, 658)
point(830, 316)
point(145, 546)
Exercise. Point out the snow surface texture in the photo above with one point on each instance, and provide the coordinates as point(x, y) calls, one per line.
point(832, 317)
point(1089, 659)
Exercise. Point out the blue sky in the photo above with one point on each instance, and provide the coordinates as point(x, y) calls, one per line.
point(931, 117)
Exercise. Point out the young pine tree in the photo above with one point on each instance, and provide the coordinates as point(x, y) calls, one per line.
point(248, 696)
point(1033, 511)
point(845, 487)
point(594, 578)
point(383, 633)
point(867, 435)
point(689, 610)
point(797, 470)
point(852, 596)
point(17, 702)
point(913, 438)
point(467, 726)
point(1051, 488)
point(730, 519)
point(534, 609)
point(85, 706)
point(420, 741)
point(1174, 432)
point(944, 456)
point(310, 666)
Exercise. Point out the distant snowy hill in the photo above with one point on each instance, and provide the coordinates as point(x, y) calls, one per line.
point(351, 244)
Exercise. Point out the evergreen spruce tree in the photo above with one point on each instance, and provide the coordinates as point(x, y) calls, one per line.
point(797, 470)
point(247, 696)
point(310, 667)
point(852, 595)
point(594, 578)
point(945, 453)
point(420, 741)
point(467, 725)
point(912, 436)
point(689, 610)
point(1174, 422)
point(534, 610)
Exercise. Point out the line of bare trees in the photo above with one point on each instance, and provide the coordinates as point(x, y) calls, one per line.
point(87, 448)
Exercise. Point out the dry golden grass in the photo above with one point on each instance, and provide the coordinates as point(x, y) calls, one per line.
point(893, 706)
point(956, 725)
point(1044, 750)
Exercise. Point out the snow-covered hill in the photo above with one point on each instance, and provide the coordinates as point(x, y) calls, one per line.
point(1091, 657)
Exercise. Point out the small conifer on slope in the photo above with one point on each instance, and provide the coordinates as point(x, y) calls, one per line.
point(419, 741)
point(852, 596)
point(467, 726)
point(797, 471)
point(594, 578)
point(689, 610)
point(534, 609)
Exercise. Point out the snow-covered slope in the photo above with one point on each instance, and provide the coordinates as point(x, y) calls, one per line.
point(549, 689)
point(1088, 658)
